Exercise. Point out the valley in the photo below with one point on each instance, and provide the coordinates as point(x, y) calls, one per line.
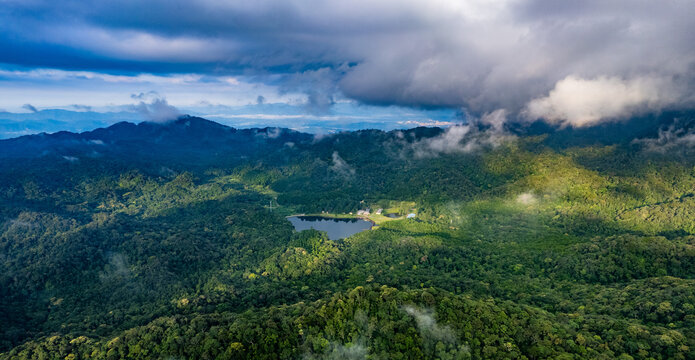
point(521, 250)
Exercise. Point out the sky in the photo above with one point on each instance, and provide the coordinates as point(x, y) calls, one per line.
point(355, 62)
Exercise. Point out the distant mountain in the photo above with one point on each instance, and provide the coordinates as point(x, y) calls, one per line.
point(170, 240)
point(187, 140)
point(53, 120)
point(342, 117)
point(194, 142)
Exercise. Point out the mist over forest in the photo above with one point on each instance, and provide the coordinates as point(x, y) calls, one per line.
point(360, 179)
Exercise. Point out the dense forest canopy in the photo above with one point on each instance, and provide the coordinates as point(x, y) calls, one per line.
point(158, 241)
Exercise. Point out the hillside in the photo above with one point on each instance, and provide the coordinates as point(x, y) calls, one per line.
point(156, 240)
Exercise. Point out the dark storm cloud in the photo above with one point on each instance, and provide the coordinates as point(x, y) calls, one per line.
point(319, 85)
point(559, 60)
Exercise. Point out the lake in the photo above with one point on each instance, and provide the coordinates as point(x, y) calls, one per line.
point(335, 228)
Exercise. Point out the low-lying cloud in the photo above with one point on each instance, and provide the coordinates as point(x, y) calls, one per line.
point(154, 107)
point(428, 326)
point(581, 102)
point(341, 167)
point(527, 198)
point(343, 352)
point(358, 349)
point(116, 268)
point(439, 341)
point(676, 135)
point(487, 132)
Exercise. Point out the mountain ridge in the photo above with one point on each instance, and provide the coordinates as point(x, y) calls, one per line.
point(116, 242)
point(647, 125)
point(177, 141)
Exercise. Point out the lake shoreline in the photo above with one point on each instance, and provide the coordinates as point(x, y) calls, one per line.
point(365, 218)
point(337, 228)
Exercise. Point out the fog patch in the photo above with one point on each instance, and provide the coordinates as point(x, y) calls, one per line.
point(673, 137)
point(319, 136)
point(341, 167)
point(485, 132)
point(21, 224)
point(116, 268)
point(527, 198)
point(338, 351)
point(273, 133)
point(457, 213)
point(167, 172)
point(39, 223)
point(450, 140)
point(439, 341)
point(428, 327)
point(357, 350)
point(270, 132)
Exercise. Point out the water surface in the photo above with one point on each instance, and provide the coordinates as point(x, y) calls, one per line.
point(335, 228)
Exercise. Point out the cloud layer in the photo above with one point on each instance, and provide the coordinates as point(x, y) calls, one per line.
point(154, 107)
point(485, 132)
point(579, 102)
point(540, 58)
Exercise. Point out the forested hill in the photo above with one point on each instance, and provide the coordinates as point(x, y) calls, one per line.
point(189, 141)
point(528, 242)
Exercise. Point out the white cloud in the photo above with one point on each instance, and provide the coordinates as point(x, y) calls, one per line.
point(481, 55)
point(450, 140)
point(62, 75)
point(428, 122)
point(54, 88)
point(154, 107)
point(143, 45)
point(579, 102)
point(488, 131)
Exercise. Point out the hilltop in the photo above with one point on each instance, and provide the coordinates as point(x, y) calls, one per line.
point(156, 240)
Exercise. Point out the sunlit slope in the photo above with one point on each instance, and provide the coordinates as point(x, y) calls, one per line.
point(517, 250)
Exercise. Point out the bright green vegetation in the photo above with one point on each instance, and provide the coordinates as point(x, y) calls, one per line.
point(522, 251)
